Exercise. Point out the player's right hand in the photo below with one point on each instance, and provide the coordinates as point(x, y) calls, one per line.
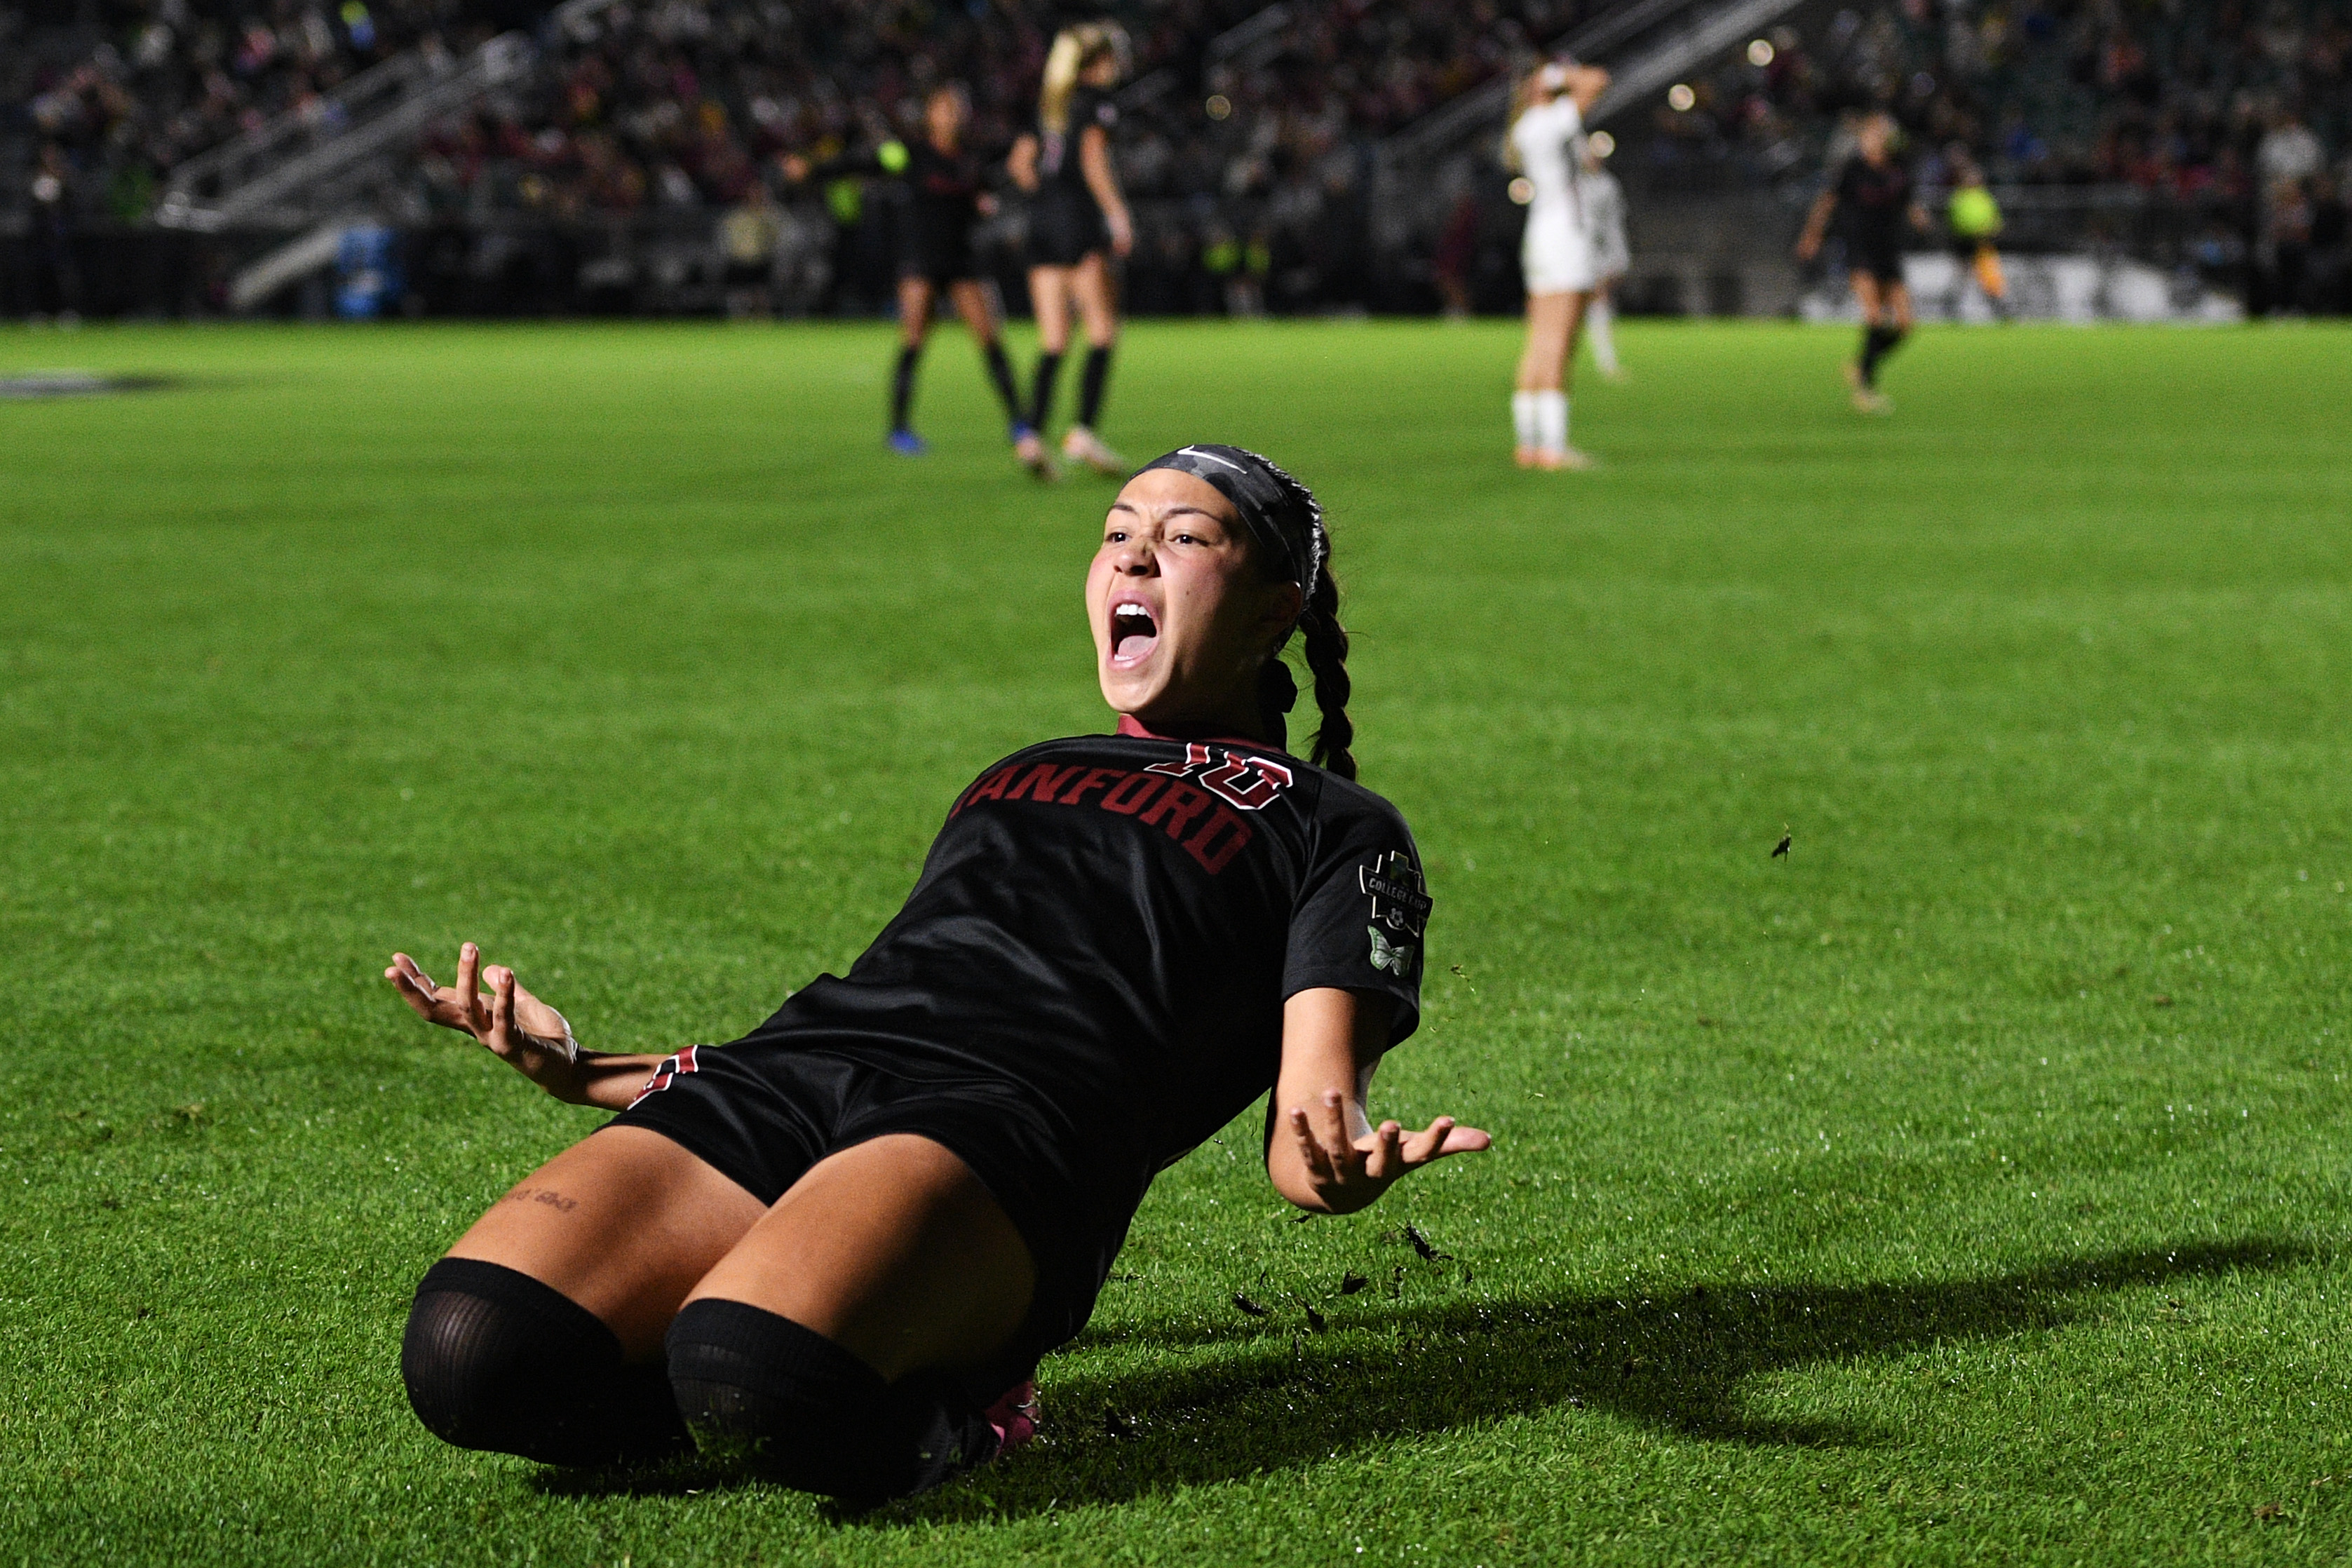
point(515, 1026)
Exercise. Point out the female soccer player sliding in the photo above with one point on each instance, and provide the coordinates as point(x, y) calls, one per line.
point(946, 200)
point(836, 1248)
point(1874, 191)
point(1556, 255)
point(1077, 211)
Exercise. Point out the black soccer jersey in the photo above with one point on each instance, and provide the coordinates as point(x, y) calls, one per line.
point(1874, 202)
point(1058, 150)
point(1109, 925)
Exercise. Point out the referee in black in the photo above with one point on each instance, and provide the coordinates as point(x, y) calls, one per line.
point(1878, 208)
point(946, 197)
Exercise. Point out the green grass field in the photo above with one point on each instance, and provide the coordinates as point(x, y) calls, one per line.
point(1969, 1185)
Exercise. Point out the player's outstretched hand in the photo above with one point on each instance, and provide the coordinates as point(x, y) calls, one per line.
point(1351, 1172)
point(519, 1028)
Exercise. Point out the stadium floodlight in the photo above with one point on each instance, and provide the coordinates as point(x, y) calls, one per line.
point(1602, 145)
point(1759, 53)
point(1522, 190)
point(1680, 98)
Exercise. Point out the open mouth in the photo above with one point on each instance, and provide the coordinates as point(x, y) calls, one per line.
point(1133, 634)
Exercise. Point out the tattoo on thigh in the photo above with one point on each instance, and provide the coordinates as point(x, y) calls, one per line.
point(547, 1195)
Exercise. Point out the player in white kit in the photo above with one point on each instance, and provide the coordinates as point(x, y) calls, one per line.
point(1546, 145)
point(1604, 211)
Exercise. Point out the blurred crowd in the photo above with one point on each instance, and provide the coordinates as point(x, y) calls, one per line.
point(1250, 166)
point(1248, 134)
point(2234, 115)
point(169, 79)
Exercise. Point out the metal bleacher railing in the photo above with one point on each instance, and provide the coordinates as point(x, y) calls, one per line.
point(285, 173)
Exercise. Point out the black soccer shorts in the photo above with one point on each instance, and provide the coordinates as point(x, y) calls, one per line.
point(763, 1112)
point(1883, 260)
point(1065, 229)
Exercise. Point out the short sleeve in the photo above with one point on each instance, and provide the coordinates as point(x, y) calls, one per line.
point(1362, 911)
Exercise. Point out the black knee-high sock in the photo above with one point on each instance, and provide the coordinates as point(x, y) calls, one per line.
point(494, 1359)
point(1090, 385)
point(1877, 342)
point(999, 375)
point(902, 386)
point(1041, 390)
point(761, 1390)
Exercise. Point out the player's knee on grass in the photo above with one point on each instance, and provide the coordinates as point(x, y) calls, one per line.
point(494, 1359)
point(760, 1391)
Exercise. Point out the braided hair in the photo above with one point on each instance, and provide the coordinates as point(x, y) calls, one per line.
point(1326, 648)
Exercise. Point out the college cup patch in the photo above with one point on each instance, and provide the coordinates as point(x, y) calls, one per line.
point(1399, 910)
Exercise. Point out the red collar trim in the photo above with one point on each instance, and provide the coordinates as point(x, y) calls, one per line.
point(1132, 728)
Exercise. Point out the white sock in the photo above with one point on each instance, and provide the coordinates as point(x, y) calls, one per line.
point(1523, 416)
point(1552, 421)
point(1597, 332)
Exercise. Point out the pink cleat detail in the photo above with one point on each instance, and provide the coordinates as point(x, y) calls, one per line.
point(1014, 1417)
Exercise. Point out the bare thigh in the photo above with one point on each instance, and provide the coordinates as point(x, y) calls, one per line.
point(892, 1249)
point(1049, 297)
point(624, 1223)
point(1551, 321)
point(1898, 301)
point(972, 303)
point(914, 310)
point(1091, 283)
point(1865, 293)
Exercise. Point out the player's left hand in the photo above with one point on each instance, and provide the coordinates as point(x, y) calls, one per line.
point(1351, 1172)
point(1122, 234)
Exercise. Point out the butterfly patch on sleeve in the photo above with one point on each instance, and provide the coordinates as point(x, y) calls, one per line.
point(1396, 957)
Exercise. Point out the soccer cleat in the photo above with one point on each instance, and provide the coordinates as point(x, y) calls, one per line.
point(1526, 456)
point(1030, 449)
point(1014, 1417)
point(1082, 446)
point(1867, 399)
point(1570, 458)
point(907, 443)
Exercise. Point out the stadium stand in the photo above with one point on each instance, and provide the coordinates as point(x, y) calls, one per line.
point(181, 156)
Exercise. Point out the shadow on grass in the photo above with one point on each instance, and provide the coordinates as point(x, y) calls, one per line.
point(1674, 1362)
point(1259, 1400)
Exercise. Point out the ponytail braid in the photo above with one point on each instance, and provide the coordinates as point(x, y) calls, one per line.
point(1327, 659)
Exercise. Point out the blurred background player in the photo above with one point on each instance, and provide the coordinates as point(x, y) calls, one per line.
point(1076, 213)
point(1546, 145)
point(1604, 221)
point(1874, 199)
point(1974, 219)
point(945, 199)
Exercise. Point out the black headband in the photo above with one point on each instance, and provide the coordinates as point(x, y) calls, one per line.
point(1282, 514)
